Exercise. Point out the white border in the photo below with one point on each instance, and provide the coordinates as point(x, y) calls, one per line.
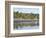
point(25, 31)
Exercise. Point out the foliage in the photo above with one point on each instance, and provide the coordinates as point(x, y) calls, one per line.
point(21, 15)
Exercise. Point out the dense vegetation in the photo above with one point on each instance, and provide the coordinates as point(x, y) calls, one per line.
point(25, 15)
point(20, 15)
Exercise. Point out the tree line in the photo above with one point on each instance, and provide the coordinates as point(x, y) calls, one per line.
point(21, 15)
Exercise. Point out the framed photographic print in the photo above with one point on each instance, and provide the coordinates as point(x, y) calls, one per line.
point(24, 18)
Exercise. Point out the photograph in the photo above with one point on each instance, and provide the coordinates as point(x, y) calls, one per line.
point(26, 18)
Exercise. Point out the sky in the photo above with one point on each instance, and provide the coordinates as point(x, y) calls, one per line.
point(27, 10)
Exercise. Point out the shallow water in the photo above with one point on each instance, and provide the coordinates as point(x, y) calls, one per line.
point(35, 26)
point(27, 27)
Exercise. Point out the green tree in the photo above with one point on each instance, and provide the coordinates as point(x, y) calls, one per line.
point(32, 16)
